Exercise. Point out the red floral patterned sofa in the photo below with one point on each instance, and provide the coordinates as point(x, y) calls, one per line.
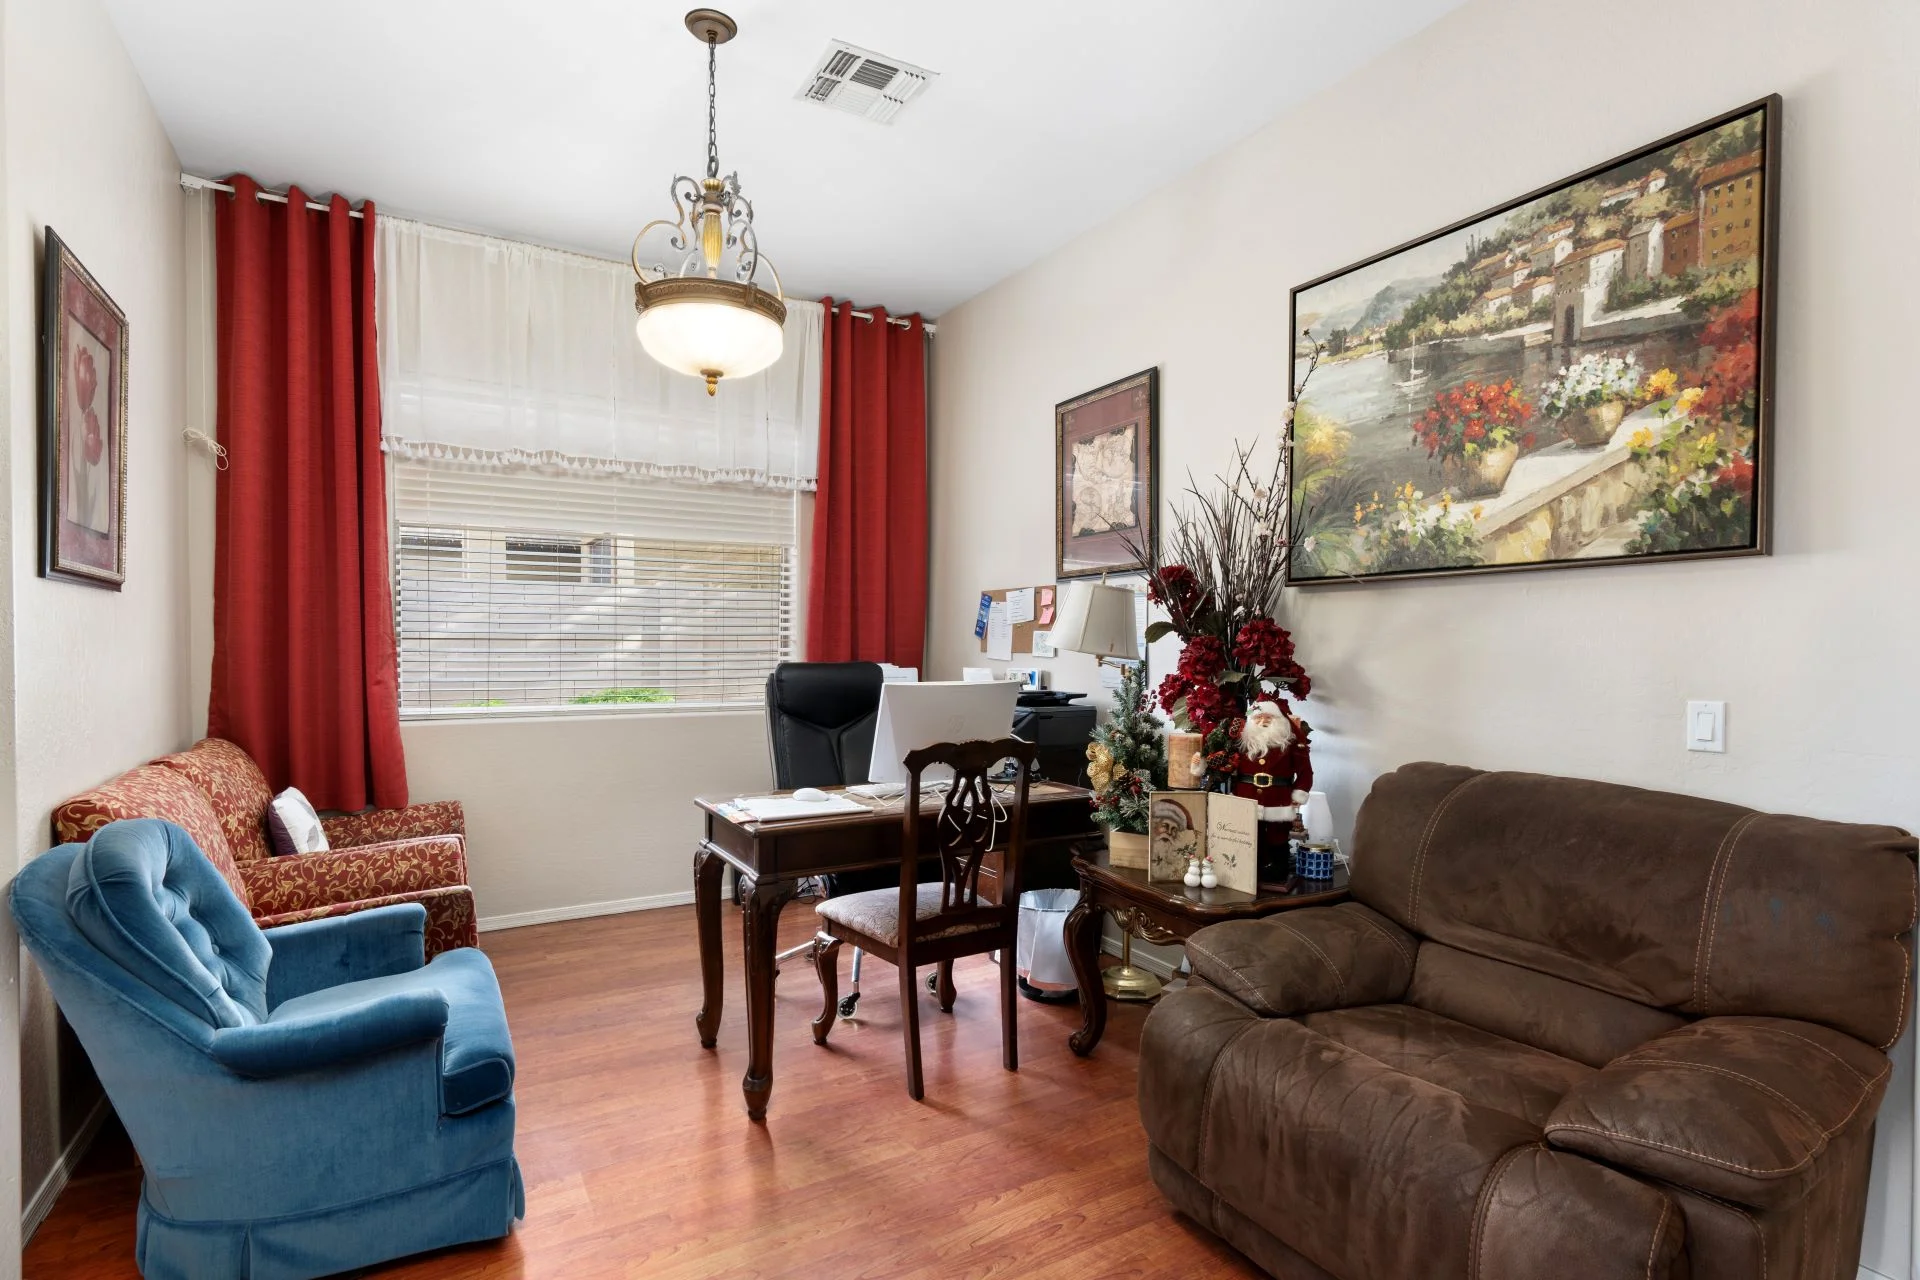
point(218, 794)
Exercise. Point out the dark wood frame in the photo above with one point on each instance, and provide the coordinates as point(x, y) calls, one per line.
point(1769, 254)
point(1150, 465)
point(57, 262)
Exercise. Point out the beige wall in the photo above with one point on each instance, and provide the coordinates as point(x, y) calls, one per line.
point(97, 677)
point(1579, 672)
point(568, 815)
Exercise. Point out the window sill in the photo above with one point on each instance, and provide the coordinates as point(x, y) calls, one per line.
point(574, 715)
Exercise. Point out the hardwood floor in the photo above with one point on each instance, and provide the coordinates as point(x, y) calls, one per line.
point(640, 1161)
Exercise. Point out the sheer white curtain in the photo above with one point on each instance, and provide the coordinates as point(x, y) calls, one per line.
point(496, 353)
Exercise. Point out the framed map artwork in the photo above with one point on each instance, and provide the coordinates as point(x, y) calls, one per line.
point(1106, 441)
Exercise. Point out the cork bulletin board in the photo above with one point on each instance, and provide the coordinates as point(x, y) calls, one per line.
point(1045, 603)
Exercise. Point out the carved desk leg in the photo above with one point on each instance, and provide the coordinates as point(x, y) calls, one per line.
point(1083, 950)
point(762, 901)
point(707, 866)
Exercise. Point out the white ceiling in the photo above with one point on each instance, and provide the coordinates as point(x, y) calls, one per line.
point(561, 122)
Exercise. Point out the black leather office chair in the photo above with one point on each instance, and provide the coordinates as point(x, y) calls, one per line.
point(820, 721)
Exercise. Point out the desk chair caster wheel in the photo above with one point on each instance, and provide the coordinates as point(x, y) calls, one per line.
point(848, 1004)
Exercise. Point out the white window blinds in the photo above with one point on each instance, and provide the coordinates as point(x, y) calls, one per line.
point(523, 591)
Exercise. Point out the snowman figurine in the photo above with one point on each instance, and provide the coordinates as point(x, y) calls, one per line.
point(1200, 873)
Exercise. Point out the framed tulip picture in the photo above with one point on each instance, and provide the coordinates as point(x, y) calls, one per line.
point(83, 432)
point(1580, 376)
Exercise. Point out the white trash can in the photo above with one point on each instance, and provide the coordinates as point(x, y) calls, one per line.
point(1041, 961)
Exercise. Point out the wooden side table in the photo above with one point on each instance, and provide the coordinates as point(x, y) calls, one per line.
point(1161, 913)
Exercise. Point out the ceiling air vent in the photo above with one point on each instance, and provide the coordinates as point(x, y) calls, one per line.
point(859, 82)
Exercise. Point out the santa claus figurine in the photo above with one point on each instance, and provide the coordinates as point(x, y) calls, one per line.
point(1272, 768)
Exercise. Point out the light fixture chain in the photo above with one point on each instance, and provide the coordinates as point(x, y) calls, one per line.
point(713, 138)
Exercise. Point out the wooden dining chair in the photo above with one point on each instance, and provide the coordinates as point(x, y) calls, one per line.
point(944, 919)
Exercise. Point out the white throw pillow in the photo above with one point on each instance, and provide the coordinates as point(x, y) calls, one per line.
point(293, 826)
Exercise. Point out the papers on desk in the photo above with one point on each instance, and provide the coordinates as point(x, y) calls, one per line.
point(787, 809)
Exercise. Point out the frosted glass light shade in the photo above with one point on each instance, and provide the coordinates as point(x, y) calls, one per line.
point(1098, 619)
point(718, 331)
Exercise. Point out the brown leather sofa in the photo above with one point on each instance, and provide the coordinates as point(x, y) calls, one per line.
point(1564, 1029)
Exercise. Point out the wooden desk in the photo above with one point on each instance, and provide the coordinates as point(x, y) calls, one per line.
point(1161, 913)
point(772, 858)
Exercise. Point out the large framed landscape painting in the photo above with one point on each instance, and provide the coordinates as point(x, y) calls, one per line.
point(83, 426)
point(1105, 446)
point(1581, 376)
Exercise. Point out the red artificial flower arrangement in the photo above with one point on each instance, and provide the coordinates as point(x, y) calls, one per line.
point(1218, 572)
point(1219, 595)
point(1176, 589)
point(1472, 417)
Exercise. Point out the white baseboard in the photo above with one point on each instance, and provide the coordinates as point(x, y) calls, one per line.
point(520, 919)
point(41, 1204)
point(1868, 1273)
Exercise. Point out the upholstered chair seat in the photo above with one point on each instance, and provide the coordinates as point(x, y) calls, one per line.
point(876, 913)
point(305, 1100)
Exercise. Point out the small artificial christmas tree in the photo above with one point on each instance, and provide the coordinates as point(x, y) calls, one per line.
point(1127, 760)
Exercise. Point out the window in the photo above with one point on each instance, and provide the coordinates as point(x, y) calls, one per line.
point(429, 546)
point(543, 559)
point(531, 591)
point(575, 527)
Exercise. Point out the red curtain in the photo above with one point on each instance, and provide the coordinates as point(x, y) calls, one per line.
point(867, 596)
point(304, 668)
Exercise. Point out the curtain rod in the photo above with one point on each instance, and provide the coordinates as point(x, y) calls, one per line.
point(928, 325)
point(193, 182)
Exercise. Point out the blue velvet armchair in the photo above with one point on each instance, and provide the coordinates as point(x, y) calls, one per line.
point(304, 1100)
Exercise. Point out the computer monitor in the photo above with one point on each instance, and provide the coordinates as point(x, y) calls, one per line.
point(919, 715)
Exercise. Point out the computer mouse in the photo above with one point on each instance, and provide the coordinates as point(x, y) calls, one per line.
point(810, 794)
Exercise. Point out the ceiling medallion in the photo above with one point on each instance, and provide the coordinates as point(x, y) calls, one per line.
point(708, 317)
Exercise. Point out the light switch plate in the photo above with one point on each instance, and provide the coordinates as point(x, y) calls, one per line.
point(1706, 726)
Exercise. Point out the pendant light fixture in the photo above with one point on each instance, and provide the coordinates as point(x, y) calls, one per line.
point(708, 315)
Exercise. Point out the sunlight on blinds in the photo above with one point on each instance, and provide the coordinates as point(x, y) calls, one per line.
point(518, 590)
